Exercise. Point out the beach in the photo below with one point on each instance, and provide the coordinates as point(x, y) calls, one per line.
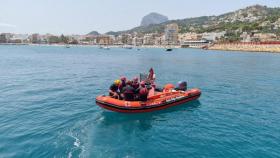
point(246, 47)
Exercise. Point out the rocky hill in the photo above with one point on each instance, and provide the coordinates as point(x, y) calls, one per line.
point(255, 18)
point(94, 33)
point(153, 18)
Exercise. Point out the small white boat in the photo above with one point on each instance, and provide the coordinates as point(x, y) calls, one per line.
point(106, 48)
point(127, 47)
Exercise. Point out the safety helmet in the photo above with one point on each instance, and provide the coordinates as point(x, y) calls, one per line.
point(117, 82)
point(123, 78)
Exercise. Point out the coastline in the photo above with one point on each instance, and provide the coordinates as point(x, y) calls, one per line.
point(241, 47)
point(247, 47)
point(88, 45)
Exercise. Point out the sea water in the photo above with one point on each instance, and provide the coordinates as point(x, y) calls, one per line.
point(48, 109)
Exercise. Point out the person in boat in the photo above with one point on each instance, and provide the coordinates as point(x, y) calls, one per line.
point(123, 83)
point(152, 76)
point(143, 92)
point(114, 90)
point(181, 86)
point(128, 92)
point(135, 83)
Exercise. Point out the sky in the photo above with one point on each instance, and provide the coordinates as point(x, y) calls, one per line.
point(82, 16)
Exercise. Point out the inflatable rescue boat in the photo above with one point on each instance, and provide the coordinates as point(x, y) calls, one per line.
point(158, 101)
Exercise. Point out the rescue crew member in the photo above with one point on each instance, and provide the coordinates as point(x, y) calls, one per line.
point(123, 83)
point(135, 83)
point(114, 89)
point(143, 92)
point(128, 92)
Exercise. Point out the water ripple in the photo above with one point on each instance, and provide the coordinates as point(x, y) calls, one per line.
point(48, 108)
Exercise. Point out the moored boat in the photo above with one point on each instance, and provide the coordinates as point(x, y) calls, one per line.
point(106, 48)
point(127, 47)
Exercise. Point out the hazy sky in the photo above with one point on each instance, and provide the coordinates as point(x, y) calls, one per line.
point(83, 16)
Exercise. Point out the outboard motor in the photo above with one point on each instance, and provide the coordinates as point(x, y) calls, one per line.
point(182, 85)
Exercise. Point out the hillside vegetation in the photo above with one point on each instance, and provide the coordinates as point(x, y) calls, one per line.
point(255, 18)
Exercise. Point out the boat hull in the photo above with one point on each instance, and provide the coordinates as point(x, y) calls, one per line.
point(159, 102)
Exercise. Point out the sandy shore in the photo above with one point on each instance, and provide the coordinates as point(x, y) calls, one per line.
point(274, 48)
point(245, 47)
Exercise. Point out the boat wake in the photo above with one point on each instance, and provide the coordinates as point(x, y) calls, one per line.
point(77, 149)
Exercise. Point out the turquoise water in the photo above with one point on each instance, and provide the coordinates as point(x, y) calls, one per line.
point(47, 106)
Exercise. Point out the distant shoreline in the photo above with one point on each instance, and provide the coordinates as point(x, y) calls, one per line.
point(85, 45)
point(241, 47)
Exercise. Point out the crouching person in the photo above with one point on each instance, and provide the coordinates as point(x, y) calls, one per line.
point(114, 89)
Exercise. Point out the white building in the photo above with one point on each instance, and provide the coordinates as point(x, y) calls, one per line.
point(189, 36)
point(213, 36)
point(19, 38)
point(195, 44)
point(137, 41)
point(171, 34)
point(149, 39)
point(159, 40)
point(245, 37)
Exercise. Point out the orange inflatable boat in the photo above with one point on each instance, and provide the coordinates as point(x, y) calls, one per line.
point(158, 101)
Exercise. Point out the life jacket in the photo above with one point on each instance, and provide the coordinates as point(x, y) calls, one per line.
point(143, 94)
point(143, 91)
point(114, 88)
point(128, 90)
point(122, 85)
point(135, 85)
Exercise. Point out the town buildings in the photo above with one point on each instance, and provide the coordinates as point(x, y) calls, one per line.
point(170, 36)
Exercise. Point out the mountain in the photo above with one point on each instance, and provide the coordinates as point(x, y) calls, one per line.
point(94, 33)
point(253, 18)
point(153, 18)
point(256, 18)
